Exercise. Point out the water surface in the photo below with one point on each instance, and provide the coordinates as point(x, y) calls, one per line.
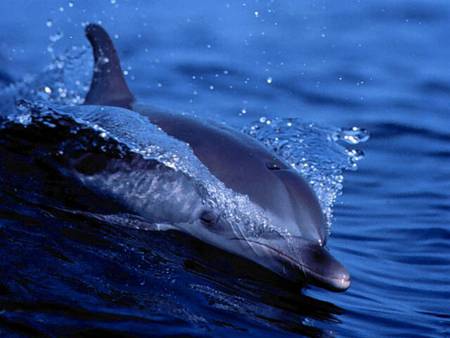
point(374, 64)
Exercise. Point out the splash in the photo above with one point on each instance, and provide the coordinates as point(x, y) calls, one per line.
point(316, 152)
point(64, 81)
point(122, 131)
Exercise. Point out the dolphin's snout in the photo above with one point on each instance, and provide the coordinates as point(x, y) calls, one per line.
point(322, 269)
point(305, 260)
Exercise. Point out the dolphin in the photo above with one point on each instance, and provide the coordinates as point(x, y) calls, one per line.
point(243, 165)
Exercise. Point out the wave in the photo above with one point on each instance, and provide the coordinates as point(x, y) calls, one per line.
point(49, 105)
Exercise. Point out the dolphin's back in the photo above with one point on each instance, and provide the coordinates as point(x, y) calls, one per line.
point(247, 167)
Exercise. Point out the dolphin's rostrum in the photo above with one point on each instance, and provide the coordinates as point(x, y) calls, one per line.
point(243, 165)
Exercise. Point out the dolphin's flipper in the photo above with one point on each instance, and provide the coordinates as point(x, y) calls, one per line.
point(108, 87)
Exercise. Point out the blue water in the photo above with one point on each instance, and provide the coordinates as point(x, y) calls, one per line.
point(378, 65)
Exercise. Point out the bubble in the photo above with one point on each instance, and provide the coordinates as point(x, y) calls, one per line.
point(269, 80)
point(49, 23)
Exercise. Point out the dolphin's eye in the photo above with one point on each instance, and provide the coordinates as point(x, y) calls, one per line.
point(272, 166)
point(208, 217)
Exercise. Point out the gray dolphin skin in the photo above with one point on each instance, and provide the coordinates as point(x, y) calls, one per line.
point(243, 165)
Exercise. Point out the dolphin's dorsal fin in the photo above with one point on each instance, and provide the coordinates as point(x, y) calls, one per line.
point(108, 87)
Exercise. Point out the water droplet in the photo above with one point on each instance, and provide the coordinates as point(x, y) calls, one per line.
point(353, 135)
point(56, 37)
point(70, 4)
point(49, 23)
point(256, 13)
point(47, 90)
point(269, 80)
point(355, 154)
point(211, 87)
point(113, 2)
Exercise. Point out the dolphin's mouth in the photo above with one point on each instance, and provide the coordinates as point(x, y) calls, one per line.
point(314, 262)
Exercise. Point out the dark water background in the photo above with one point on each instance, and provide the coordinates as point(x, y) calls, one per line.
point(381, 65)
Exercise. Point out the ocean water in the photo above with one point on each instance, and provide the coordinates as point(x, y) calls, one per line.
point(76, 264)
